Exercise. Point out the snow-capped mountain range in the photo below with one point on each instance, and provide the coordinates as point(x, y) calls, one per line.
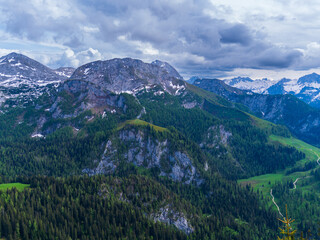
point(306, 88)
point(257, 86)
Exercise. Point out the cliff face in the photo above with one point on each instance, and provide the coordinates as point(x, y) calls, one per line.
point(136, 147)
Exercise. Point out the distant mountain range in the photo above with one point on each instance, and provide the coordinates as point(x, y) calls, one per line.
point(306, 88)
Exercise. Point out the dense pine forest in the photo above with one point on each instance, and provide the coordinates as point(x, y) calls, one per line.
point(122, 208)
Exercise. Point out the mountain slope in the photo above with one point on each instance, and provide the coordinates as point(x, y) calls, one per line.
point(64, 71)
point(300, 118)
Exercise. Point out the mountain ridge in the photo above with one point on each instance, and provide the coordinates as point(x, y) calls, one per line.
point(306, 88)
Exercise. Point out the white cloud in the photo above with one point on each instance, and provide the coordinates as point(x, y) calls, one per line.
point(72, 59)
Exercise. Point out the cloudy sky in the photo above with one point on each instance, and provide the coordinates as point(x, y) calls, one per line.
point(208, 38)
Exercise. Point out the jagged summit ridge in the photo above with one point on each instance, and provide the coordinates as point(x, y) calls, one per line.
point(23, 79)
point(245, 83)
point(130, 75)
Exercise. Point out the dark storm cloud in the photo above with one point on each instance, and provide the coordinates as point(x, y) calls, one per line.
point(180, 32)
point(272, 58)
point(236, 34)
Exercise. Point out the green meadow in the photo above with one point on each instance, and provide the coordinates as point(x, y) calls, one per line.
point(264, 183)
point(138, 122)
point(18, 186)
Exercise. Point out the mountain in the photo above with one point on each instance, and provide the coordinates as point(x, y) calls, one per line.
point(130, 75)
point(167, 67)
point(192, 79)
point(141, 125)
point(23, 79)
point(17, 69)
point(245, 83)
point(301, 119)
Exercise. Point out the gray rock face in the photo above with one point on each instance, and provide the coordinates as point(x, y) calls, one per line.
point(130, 75)
point(168, 68)
point(144, 151)
point(189, 105)
point(215, 136)
point(169, 216)
point(86, 96)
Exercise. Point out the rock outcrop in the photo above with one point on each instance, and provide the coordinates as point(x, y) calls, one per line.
point(136, 147)
point(169, 216)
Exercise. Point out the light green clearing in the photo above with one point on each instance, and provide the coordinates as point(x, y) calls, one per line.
point(138, 122)
point(18, 186)
point(265, 182)
point(310, 151)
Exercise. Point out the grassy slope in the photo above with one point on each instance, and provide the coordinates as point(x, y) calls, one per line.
point(18, 186)
point(138, 122)
point(265, 182)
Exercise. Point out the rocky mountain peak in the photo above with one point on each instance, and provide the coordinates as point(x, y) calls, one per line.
point(21, 62)
point(130, 75)
point(17, 69)
point(310, 78)
point(237, 80)
point(168, 68)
